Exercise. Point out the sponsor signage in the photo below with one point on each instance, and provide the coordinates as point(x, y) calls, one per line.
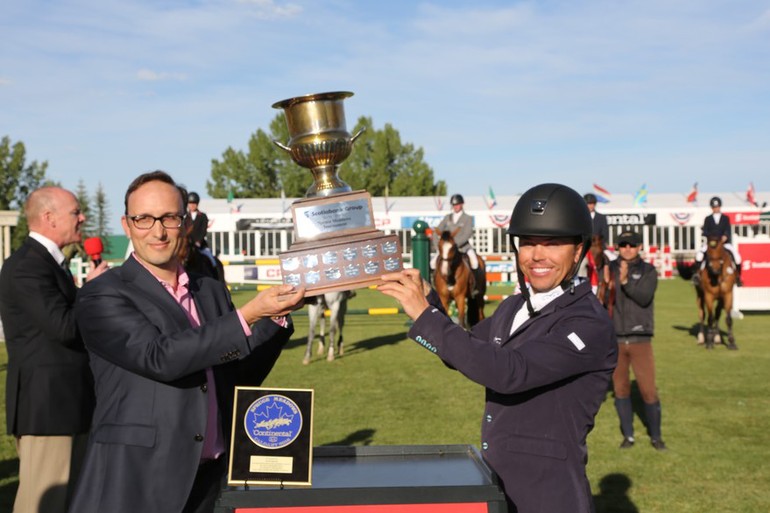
point(255, 223)
point(755, 264)
point(743, 217)
point(408, 221)
point(631, 219)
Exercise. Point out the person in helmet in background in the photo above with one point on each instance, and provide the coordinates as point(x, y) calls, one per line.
point(200, 226)
point(545, 356)
point(598, 220)
point(461, 222)
point(599, 227)
point(717, 224)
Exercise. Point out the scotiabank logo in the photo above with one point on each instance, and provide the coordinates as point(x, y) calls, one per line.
point(743, 217)
point(755, 264)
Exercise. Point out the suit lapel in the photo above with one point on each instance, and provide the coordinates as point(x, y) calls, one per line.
point(136, 275)
point(63, 278)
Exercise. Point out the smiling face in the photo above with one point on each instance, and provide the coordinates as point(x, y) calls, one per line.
point(158, 247)
point(547, 261)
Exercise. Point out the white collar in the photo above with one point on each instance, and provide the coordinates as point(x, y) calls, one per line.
point(50, 245)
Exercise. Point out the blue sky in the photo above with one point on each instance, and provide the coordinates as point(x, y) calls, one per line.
point(498, 93)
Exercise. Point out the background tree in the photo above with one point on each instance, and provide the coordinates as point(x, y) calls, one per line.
point(17, 180)
point(382, 164)
point(87, 229)
point(259, 173)
point(101, 216)
point(379, 163)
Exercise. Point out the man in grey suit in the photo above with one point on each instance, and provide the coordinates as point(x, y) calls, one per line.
point(460, 225)
point(166, 349)
point(49, 389)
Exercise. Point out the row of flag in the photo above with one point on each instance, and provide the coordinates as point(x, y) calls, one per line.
point(640, 198)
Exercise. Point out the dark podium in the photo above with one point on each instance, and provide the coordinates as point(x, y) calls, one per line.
point(379, 479)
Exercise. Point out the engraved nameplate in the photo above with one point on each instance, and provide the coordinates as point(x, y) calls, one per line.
point(314, 220)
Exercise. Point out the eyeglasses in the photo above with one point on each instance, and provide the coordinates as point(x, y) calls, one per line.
point(146, 221)
point(627, 245)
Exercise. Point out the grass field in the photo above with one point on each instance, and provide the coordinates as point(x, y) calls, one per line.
point(388, 390)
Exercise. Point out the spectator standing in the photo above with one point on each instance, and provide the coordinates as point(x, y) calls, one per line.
point(49, 390)
point(635, 282)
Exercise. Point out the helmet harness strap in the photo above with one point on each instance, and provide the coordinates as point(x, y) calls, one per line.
point(522, 283)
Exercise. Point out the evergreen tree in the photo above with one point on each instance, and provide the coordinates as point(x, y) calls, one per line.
point(379, 163)
point(17, 180)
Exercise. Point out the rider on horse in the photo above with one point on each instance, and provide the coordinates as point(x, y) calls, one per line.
point(461, 222)
point(718, 225)
point(590, 268)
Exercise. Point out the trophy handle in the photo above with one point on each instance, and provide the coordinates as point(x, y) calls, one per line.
point(283, 146)
point(353, 139)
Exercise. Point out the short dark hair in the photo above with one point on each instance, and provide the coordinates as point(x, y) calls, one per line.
point(153, 176)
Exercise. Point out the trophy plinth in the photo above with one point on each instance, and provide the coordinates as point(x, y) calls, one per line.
point(337, 246)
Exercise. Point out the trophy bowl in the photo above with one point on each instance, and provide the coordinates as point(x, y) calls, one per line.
point(318, 138)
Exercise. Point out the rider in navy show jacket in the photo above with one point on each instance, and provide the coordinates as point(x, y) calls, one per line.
point(545, 356)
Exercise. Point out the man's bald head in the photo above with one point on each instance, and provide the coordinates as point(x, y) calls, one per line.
point(54, 213)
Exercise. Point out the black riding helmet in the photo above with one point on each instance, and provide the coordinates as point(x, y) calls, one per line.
point(456, 199)
point(716, 201)
point(193, 198)
point(551, 210)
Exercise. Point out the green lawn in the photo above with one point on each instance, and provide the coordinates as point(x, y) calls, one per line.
point(388, 390)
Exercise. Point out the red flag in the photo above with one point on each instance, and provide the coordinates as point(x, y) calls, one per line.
point(693, 196)
point(750, 195)
point(602, 194)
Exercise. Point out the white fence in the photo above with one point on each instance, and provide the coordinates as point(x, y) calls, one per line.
point(235, 246)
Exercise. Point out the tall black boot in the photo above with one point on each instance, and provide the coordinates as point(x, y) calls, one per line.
point(626, 415)
point(652, 412)
point(478, 277)
point(738, 280)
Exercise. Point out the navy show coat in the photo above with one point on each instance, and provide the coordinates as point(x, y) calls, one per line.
point(544, 386)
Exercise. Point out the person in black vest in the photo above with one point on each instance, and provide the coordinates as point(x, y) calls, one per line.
point(717, 224)
point(200, 226)
point(545, 355)
point(633, 317)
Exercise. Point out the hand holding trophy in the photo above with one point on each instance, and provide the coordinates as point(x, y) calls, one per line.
point(336, 246)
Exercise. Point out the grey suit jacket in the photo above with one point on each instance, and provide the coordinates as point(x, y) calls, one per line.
point(49, 388)
point(464, 227)
point(151, 393)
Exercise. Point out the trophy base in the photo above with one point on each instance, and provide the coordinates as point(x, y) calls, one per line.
point(348, 262)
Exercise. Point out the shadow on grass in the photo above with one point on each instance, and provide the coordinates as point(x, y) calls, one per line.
point(8, 469)
point(692, 330)
point(374, 343)
point(613, 495)
point(360, 437)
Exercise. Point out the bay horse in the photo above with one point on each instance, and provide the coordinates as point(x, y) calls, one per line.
point(454, 280)
point(602, 281)
point(714, 292)
point(337, 304)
